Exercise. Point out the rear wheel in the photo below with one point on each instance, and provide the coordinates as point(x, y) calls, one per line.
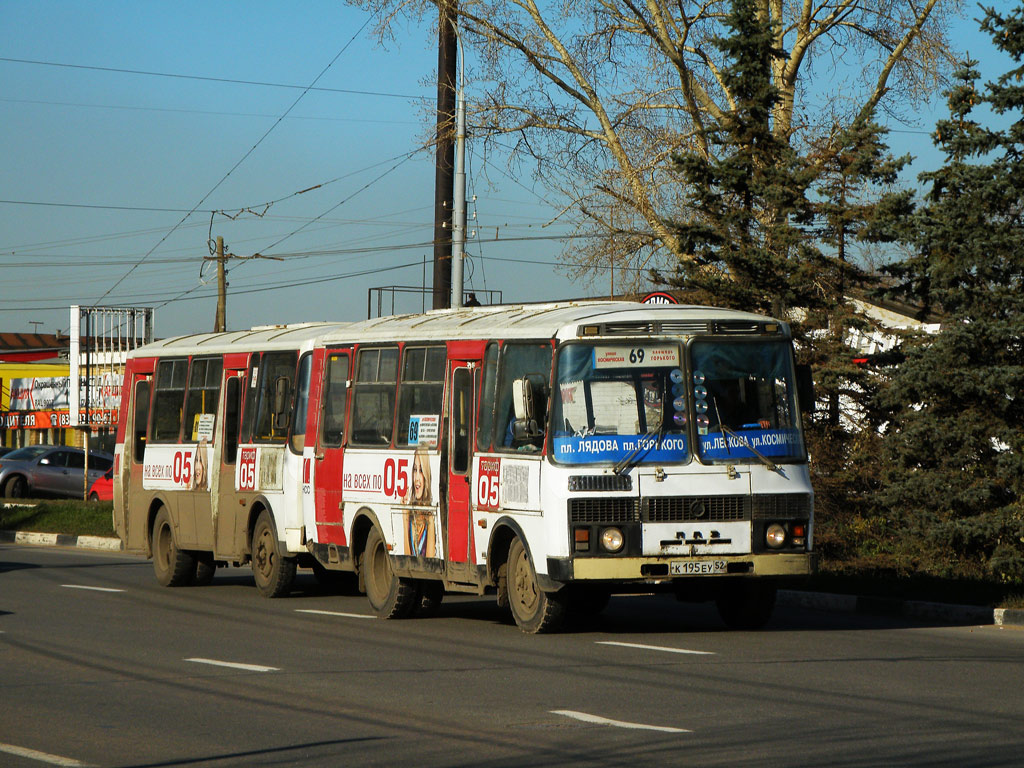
point(533, 609)
point(273, 573)
point(94, 496)
point(746, 605)
point(390, 597)
point(173, 567)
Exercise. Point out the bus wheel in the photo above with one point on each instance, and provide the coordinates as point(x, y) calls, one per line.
point(173, 567)
point(390, 596)
point(533, 609)
point(746, 605)
point(205, 569)
point(431, 593)
point(273, 572)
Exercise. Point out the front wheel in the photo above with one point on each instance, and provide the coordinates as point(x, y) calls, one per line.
point(173, 567)
point(533, 609)
point(390, 597)
point(273, 573)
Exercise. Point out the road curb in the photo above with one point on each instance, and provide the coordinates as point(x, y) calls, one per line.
point(909, 609)
point(102, 543)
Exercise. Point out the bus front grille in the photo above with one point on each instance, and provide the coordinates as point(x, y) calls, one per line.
point(605, 510)
point(782, 506)
point(675, 509)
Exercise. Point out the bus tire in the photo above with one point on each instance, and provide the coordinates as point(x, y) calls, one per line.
point(173, 567)
point(206, 567)
point(430, 597)
point(534, 610)
point(746, 605)
point(390, 597)
point(273, 573)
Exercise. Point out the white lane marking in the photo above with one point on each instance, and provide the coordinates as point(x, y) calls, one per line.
point(93, 589)
point(42, 757)
point(656, 648)
point(616, 723)
point(335, 613)
point(234, 665)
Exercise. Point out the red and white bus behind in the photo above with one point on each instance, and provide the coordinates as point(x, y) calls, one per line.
point(554, 454)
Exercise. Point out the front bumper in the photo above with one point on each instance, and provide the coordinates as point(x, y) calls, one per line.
point(657, 568)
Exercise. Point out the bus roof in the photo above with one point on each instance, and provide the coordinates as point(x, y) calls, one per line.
point(264, 337)
point(544, 321)
point(506, 321)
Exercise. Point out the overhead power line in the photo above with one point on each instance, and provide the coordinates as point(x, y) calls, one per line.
point(242, 160)
point(233, 81)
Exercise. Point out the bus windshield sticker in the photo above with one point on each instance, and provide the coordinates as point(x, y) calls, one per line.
point(769, 442)
point(639, 356)
point(424, 430)
point(592, 449)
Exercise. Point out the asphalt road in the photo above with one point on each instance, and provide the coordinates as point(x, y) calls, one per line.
point(100, 666)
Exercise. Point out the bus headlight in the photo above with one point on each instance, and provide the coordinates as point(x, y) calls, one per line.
point(611, 539)
point(775, 536)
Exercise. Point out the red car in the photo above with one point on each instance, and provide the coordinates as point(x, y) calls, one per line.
point(103, 487)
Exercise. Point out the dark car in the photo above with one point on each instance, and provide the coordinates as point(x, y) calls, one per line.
point(50, 469)
point(4, 450)
point(102, 488)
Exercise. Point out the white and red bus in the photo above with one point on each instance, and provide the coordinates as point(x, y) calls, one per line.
point(554, 454)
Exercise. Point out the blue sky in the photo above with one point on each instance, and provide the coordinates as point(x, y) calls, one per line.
point(99, 147)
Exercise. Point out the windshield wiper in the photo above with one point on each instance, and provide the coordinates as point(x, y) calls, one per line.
point(742, 439)
point(626, 463)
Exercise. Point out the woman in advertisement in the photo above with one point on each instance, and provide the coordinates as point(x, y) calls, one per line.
point(419, 520)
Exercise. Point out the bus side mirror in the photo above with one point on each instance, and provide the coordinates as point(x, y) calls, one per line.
point(522, 399)
point(805, 388)
point(524, 426)
point(282, 413)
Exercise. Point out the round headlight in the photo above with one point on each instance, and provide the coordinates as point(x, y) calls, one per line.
point(775, 536)
point(611, 539)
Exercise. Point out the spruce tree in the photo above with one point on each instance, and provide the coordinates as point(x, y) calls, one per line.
point(743, 246)
point(954, 469)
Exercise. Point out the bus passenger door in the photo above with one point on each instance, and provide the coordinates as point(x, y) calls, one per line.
point(330, 453)
point(134, 498)
point(458, 522)
point(228, 534)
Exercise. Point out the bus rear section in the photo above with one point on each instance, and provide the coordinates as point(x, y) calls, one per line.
point(207, 472)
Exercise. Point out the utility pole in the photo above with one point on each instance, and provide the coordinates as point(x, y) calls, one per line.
point(445, 158)
point(222, 291)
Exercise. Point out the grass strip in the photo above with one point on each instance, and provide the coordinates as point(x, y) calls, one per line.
point(81, 518)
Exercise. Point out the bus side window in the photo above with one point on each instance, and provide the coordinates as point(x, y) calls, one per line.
point(485, 417)
point(421, 389)
point(140, 420)
point(203, 392)
point(373, 396)
point(335, 398)
point(250, 396)
point(277, 375)
point(232, 408)
point(518, 361)
point(168, 400)
point(301, 407)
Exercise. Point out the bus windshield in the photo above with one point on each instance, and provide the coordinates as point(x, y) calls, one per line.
point(744, 400)
point(619, 403)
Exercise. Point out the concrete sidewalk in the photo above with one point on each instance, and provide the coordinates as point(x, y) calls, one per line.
point(820, 601)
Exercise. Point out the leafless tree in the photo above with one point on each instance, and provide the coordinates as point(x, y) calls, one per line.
point(601, 96)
